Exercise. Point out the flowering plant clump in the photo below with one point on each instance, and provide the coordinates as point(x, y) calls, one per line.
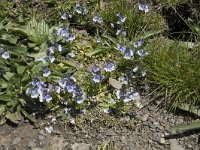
point(51, 65)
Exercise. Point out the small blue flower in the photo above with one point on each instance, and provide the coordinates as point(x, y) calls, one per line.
point(62, 83)
point(143, 7)
point(97, 19)
point(95, 69)
point(46, 72)
point(60, 49)
point(109, 67)
point(52, 49)
point(66, 15)
point(57, 89)
point(138, 43)
point(51, 58)
point(70, 88)
point(142, 53)
point(121, 48)
point(121, 19)
point(128, 54)
point(80, 100)
point(78, 9)
point(118, 32)
point(5, 55)
point(97, 78)
point(99, 40)
point(112, 25)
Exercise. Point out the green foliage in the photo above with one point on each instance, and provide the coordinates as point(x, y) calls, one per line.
point(45, 54)
point(173, 72)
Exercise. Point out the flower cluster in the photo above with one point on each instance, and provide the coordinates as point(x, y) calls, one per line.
point(39, 89)
point(97, 77)
point(66, 34)
point(81, 10)
point(68, 85)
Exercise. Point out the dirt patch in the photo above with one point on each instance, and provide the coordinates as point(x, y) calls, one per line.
point(152, 132)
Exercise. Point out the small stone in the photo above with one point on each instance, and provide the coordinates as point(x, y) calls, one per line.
point(41, 138)
point(110, 133)
point(162, 141)
point(57, 132)
point(80, 146)
point(190, 146)
point(174, 145)
point(32, 144)
point(145, 117)
point(16, 141)
point(156, 137)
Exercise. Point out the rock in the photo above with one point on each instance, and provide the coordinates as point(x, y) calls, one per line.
point(56, 131)
point(80, 146)
point(190, 146)
point(174, 145)
point(110, 133)
point(32, 144)
point(41, 138)
point(16, 140)
point(162, 141)
point(156, 137)
point(145, 117)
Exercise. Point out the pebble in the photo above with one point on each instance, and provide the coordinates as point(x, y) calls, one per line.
point(162, 141)
point(110, 133)
point(41, 138)
point(145, 117)
point(80, 146)
point(16, 140)
point(32, 144)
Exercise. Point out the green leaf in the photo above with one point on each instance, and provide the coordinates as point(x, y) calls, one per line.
point(26, 77)
point(2, 109)
point(8, 75)
point(5, 98)
point(37, 68)
point(29, 116)
point(150, 33)
point(192, 126)
point(2, 120)
point(14, 117)
point(20, 69)
point(97, 51)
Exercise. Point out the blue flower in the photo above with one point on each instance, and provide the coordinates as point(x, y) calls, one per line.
point(46, 72)
point(143, 7)
point(121, 19)
point(97, 78)
point(51, 58)
point(95, 69)
point(142, 53)
point(109, 67)
point(99, 40)
point(112, 25)
point(97, 19)
point(5, 55)
point(57, 89)
point(128, 53)
point(70, 88)
point(80, 100)
point(81, 9)
point(121, 31)
point(78, 9)
point(131, 96)
point(66, 15)
point(138, 43)
point(60, 49)
point(62, 83)
point(121, 48)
